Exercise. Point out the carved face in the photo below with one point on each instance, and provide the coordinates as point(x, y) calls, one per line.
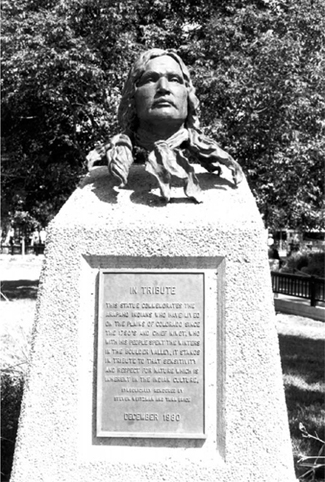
point(161, 94)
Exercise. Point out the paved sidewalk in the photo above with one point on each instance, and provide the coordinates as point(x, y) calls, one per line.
point(18, 267)
point(299, 306)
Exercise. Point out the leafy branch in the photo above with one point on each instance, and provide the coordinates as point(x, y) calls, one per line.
point(316, 463)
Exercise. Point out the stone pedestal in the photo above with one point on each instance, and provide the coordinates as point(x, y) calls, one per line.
point(213, 257)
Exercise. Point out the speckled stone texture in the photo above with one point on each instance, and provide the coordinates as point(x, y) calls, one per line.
point(247, 436)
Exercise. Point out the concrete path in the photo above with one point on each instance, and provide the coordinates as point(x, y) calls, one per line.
point(299, 306)
point(18, 267)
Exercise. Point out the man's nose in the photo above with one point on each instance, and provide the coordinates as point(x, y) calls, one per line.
point(163, 85)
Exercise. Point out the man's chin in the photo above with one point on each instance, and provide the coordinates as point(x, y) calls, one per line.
point(165, 113)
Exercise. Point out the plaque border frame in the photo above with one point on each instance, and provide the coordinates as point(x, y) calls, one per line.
point(215, 263)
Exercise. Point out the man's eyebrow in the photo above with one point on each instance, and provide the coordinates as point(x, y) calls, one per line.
point(149, 72)
point(157, 72)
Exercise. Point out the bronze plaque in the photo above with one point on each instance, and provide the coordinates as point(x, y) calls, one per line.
point(150, 373)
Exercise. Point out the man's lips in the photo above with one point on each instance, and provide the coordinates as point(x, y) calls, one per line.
point(163, 103)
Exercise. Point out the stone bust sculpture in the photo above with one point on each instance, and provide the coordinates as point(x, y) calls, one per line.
point(158, 114)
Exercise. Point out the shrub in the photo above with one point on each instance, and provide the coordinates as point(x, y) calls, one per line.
point(11, 396)
point(312, 264)
point(316, 265)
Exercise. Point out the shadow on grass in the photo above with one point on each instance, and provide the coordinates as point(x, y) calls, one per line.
point(303, 357)
point(303, 361)
point(19, 289)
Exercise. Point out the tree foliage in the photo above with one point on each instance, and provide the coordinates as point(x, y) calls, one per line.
point(258, 66)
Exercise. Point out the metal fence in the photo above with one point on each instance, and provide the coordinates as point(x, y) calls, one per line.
point(19, 249)
point(308, 287)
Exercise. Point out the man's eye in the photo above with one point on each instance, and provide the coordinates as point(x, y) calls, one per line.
point(146, 80)
point(175, 78)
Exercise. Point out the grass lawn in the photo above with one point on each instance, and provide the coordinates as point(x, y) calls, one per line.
point(302, 355)
point(303, 361)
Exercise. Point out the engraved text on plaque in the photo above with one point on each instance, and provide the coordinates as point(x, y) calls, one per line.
point(151, 354)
